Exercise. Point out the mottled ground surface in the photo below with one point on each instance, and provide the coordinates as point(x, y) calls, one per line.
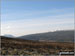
point(10, 46)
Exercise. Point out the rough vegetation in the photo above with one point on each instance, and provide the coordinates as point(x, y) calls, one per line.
point(13, 46)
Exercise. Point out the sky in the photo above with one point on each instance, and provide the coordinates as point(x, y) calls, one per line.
point(23, 17)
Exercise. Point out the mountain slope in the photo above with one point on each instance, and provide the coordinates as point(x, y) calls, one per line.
point(57, 36)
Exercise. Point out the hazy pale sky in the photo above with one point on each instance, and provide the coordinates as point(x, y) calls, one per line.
point(22, 17)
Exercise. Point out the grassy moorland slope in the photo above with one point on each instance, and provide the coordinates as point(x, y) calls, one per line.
point(13, 46)
point(57, 36)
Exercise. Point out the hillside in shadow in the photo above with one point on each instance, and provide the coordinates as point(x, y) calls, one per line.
point(56, 36)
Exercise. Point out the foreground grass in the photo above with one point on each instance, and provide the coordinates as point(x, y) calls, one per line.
point(11, 46)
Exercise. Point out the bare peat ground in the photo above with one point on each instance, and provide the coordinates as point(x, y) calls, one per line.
point(12, 46)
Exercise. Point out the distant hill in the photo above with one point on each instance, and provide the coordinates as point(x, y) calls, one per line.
point(10, 36)
point(57, 36)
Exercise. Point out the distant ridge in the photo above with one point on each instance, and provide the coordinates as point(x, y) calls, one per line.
point(57, 36)
point(8, 36)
